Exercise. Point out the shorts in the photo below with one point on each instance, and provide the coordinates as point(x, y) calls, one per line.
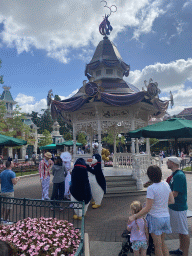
point(8, 205)
point(158, 225)
point(136, 245)
point(178, 221)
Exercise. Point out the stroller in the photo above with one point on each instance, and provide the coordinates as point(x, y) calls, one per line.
point(126, 245)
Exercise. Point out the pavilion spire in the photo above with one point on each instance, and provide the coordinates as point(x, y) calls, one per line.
point(105, 26)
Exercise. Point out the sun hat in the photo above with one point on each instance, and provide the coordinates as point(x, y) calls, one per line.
point(48, 155)
point(174, 159)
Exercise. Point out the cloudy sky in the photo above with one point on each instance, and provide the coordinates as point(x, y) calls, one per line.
point(46, 44)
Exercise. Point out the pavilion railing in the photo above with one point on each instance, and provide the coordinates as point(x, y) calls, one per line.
point(123, 160)
point(35, 208)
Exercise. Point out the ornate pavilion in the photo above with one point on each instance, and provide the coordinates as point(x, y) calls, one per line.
point(107, 103)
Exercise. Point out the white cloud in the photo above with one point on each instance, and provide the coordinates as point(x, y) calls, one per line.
point(69, 96)
point(187, 3)
point(36, 106)
point(170, 76)
point(59, 26)
point(22, 99)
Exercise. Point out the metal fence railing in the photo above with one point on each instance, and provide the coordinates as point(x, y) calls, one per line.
point(35, 208)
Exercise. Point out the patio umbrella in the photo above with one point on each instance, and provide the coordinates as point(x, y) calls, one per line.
point(10, 141)
point(68, 143)
point(172, 128)
point(47, 147)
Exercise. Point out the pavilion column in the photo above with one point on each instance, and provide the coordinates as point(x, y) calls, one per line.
point(133, 140)
point(10, 152)
point(99, 129)
point(99, 137)
point(91, 142)
point(74, 142)
point(137, 146)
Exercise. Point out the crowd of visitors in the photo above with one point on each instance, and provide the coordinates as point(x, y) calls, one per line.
point(165, 208)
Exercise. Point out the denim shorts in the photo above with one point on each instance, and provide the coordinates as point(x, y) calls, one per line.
point(158, 225)
point(136, 245)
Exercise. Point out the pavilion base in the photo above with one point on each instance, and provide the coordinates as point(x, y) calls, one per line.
point(121, 183)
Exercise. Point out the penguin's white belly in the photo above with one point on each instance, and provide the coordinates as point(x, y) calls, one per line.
point(96, 190)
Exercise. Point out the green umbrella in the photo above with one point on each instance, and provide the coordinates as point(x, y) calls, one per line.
point(68, 143)
point(172, 128)
point(10, 141)
point(47, 147)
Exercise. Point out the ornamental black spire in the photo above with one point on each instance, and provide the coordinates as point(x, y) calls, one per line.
point(105, 27)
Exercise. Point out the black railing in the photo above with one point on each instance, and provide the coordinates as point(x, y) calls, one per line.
point(22, 208)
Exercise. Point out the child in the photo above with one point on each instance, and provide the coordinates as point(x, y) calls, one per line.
point(139, 231)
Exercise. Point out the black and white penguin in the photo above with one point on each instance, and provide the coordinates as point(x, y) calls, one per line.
point(97, 181)
point(80, 188)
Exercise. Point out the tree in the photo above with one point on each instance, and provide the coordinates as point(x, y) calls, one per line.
point(68, 136)
point(1, 77)
point(109, 139)
point(35, 118)
point(15, 126)
point(65, 128)
point(81, 138)
point(2, 116)
point(46, 121)
point(46, 139)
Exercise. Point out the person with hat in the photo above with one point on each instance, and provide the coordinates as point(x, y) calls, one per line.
point(178, 210)
point(45, 167)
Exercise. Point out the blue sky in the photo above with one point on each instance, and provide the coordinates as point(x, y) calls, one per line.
point(46, 44)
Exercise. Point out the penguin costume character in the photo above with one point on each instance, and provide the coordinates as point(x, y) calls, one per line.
point(97, 181)
point(80, 188)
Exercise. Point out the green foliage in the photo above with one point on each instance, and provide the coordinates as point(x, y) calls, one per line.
point(82, 138)
point(46, 121)
point(46, 139)
point(35, 118)
point(57, 98)
point(153, 141)
point(2, 115)
point(120, 140)
point(109, 139)
point(1, 77)
point(14, 126)
point(68, 136)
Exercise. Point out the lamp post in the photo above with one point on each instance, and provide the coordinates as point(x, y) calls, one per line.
point(119, 136)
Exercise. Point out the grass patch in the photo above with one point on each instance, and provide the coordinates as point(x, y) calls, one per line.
point(187, 169)
point(26, 173)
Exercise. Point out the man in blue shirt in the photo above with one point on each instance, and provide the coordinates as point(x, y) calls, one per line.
point(7, 180)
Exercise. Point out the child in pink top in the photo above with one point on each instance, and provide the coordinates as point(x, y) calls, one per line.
point(139, 231)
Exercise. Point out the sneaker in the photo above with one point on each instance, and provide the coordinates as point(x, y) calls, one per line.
point(176, 252)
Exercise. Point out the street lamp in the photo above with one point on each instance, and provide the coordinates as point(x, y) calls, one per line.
point(119, 136)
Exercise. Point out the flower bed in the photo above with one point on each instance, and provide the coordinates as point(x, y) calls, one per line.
point(108, 164)
point(42, 236)
point(22, 166)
